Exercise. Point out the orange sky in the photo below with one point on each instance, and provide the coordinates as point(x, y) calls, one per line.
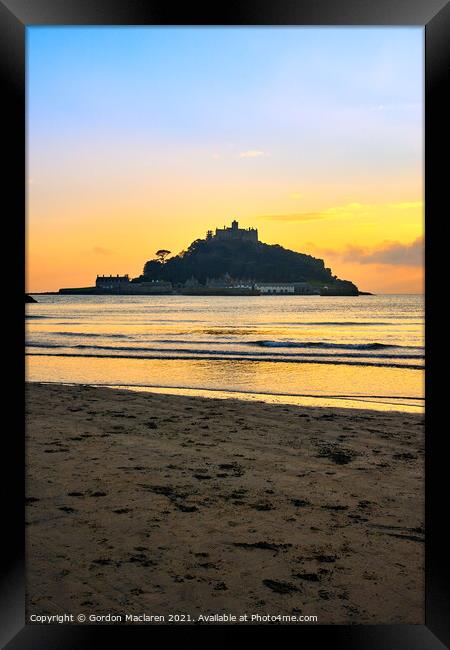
point(140, 139)
point(379, 247)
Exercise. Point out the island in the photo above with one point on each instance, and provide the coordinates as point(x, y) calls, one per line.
point(231, 261)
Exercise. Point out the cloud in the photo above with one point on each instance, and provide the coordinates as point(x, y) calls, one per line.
point(405, 205)
point(396, 107)
point(295, 195)
point(349, 210)
point(98, 250)
point(391, 253)
point(300, 216)
point(253, 153)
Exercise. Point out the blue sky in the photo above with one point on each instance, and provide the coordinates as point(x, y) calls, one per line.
point(219, 82)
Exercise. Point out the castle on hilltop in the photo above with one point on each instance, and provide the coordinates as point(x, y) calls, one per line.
point(234, 233)
point(230, 262)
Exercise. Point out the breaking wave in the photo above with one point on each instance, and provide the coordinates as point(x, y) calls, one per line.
point(331, 346)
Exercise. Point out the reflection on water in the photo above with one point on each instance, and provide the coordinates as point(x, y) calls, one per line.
point(345, 351)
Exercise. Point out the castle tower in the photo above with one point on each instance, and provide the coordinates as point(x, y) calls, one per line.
point(234, 233)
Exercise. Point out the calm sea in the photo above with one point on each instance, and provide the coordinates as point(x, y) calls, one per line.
point(362, 352)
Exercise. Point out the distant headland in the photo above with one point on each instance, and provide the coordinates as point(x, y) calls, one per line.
point(230, 261)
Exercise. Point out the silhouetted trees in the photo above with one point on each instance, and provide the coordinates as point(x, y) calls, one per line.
point(242, 259)
point(162, 254)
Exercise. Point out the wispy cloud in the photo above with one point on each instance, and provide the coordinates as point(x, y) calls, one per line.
point(299, 216)
point(342, 211)
point(253, 153)
point(339, 211)
point(98, 250)
point(397, 107)
point(389, 253)
point(405, 205)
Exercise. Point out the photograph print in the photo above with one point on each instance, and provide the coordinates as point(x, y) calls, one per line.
point(225, 325)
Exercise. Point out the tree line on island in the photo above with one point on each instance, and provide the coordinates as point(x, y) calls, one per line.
point(231, 262)
point(206, 259)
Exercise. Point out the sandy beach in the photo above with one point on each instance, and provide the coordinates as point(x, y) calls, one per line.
point(159, 504)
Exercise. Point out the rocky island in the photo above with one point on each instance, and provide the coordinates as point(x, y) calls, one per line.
point(232, 261)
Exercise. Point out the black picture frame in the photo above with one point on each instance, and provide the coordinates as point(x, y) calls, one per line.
point(434, 16)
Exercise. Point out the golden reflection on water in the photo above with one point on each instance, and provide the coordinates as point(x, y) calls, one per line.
point(301, 383)
point(253, 348)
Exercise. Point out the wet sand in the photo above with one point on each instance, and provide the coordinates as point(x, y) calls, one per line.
point(158, 504)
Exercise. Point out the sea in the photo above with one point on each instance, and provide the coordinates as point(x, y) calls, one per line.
point(351, 352)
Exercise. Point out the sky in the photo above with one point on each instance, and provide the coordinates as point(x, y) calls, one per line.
point(141, 138)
